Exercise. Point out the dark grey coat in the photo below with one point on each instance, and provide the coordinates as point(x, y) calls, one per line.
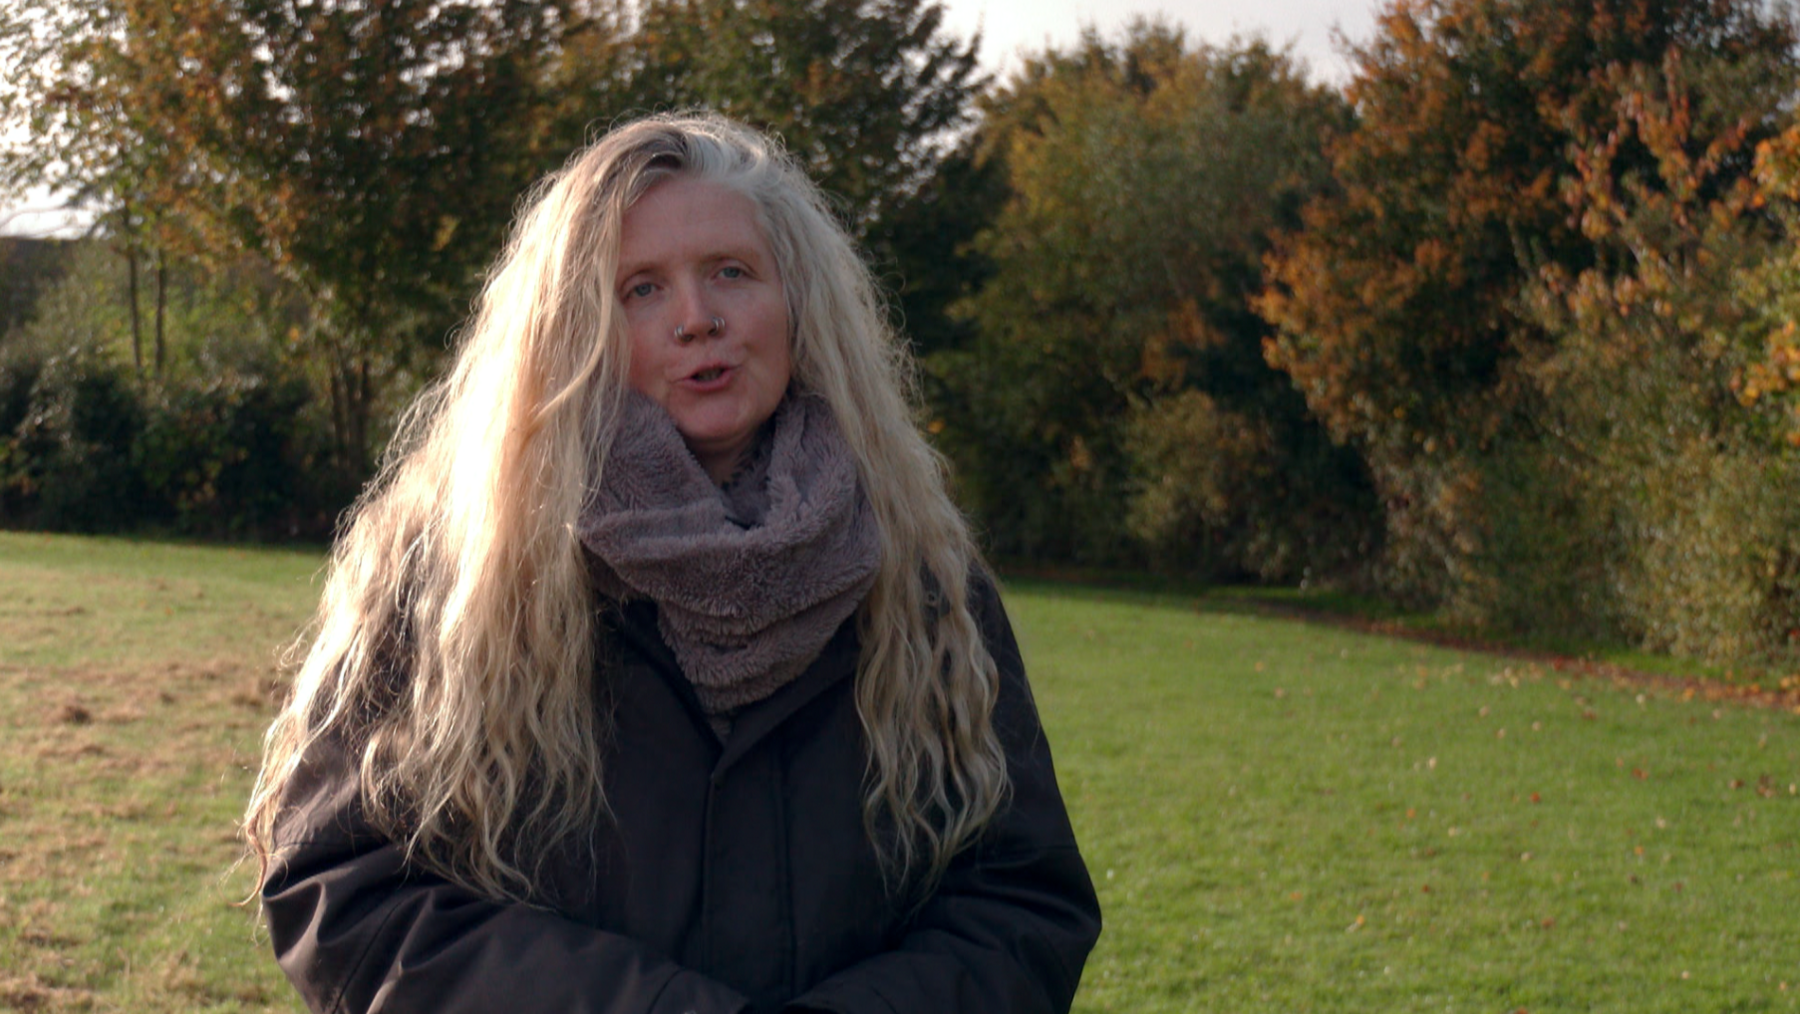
point(736, 877)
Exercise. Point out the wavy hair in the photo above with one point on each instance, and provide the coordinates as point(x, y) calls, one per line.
point(454, 649)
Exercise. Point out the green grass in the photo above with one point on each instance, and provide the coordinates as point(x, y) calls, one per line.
point(1279, 816)
point(1283, 817)
point(134, 688)
point(1331, 604)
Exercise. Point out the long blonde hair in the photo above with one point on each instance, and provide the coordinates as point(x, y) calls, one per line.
point(454, 649)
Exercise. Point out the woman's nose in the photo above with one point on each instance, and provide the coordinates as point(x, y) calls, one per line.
point(698, 319)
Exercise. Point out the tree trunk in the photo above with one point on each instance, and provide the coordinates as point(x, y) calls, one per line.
point(340, 415)
point(131, 275)
point(137, 327)
point(350, 372)
point(359, 428)
point(162, 287)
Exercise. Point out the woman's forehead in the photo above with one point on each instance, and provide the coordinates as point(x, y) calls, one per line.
point(684, 218)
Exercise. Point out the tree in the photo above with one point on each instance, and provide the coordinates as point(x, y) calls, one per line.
point(1768, 384)
point(1650, 503)
point(372, 151)
point(78, 131)
point(223, 441)
point(1118, 363)
point(863, 92)
point(1398, 301)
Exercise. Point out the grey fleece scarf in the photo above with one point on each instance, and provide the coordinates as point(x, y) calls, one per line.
point(749, 581)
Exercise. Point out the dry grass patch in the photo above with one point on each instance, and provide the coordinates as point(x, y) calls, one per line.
point(135, 682)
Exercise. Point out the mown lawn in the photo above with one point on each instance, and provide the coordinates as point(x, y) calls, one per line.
point(1283, 817)
point(1280, 817)
point(135, 681)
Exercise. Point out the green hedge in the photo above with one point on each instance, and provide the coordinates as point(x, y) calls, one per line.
point(86, 446)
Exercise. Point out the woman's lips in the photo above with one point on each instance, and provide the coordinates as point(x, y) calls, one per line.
point(710, 377)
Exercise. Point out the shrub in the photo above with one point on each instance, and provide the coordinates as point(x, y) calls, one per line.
point(227, 456)
point(68, 463)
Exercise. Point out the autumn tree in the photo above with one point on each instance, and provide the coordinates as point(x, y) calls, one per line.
point(72, 127)
point(1399, 300)
point(1768, 383)
point(372, 151)
point(1116, 402)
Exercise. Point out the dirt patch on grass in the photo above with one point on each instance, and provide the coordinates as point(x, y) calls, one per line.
point(92, 749)
point(29, 994)
point(81, 696)
point(73, 714)
point(106, 769)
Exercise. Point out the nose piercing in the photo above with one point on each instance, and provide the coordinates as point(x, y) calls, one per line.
point(717, 324)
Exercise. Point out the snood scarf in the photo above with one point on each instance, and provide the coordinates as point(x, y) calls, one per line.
point(749, 581)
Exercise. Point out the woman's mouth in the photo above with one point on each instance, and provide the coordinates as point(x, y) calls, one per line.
point(711, 377)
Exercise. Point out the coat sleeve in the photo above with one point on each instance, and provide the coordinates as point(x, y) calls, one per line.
point(358, 929)
point(1011, 924)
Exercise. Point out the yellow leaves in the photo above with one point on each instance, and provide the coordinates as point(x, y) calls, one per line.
point(1186, 327)
point(1778, 373)
point(446, 230)
point(1777, 167)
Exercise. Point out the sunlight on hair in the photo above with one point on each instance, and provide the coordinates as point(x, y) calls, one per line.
point(455, 646)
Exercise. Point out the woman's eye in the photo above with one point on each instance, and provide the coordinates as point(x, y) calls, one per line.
point(641, 289)
point(731, 271)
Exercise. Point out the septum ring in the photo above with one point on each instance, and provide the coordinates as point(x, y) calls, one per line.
point(716, 324)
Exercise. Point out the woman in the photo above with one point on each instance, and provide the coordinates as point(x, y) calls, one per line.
point(657, 671)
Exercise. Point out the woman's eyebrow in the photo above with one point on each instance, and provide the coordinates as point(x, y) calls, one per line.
point(745, 255)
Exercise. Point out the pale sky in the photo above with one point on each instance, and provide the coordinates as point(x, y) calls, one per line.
point(1009, 26)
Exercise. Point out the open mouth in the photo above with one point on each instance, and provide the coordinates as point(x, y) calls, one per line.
point(709, 374)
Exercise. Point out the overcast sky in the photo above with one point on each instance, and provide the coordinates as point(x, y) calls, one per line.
point(1009, 26)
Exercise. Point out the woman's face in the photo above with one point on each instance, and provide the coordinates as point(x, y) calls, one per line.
point(693, 256)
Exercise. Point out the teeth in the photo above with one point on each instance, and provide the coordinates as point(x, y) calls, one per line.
point(712, 374)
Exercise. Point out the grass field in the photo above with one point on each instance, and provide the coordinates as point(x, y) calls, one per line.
point(1279, 817)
